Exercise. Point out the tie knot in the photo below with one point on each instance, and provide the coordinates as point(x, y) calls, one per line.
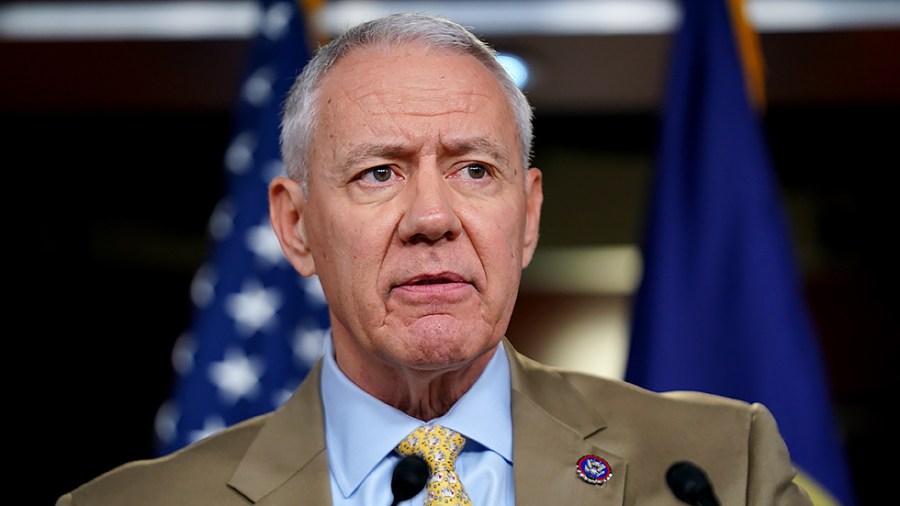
point(438, 445)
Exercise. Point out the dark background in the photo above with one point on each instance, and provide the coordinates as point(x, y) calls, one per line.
point(114, 149)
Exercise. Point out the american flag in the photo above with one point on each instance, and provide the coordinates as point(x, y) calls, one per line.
point(257, 325)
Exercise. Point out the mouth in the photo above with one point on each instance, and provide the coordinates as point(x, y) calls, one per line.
point(434, 288)
point(433, 279)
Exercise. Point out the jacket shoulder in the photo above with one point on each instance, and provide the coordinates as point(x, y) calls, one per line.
point(195, 474)
point(696, 403)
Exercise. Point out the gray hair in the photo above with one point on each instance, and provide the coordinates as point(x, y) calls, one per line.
point(301, 111)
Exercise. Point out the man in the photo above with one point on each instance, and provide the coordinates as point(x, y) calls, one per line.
point(409, 193)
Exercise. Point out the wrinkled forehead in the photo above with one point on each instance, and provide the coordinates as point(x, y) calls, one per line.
point(416, 99)
point(410, 78)
point(412, 81)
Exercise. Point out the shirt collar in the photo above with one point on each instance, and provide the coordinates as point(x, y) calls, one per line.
point(483, 414)
point(360, 430)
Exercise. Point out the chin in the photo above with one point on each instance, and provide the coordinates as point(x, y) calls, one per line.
point(438, 347)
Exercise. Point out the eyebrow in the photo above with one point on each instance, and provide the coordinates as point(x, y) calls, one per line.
point(361, 153)
point(478, 145)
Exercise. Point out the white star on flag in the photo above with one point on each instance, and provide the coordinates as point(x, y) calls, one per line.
point(237, 375)
point(254, 307)
point(262, 241)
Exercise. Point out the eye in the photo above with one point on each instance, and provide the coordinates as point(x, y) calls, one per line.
point(379, 174)
point(475, 170)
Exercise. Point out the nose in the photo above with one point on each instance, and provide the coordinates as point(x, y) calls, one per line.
point(429, 214)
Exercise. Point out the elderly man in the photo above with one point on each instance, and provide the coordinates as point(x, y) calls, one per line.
point(409, 193)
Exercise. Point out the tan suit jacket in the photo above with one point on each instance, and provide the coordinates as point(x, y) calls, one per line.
point(558, 417)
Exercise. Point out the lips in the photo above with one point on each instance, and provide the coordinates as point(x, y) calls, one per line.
point(433, 279)
point(434, 288)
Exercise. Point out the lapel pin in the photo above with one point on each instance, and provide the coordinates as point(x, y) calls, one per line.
point(593, 470)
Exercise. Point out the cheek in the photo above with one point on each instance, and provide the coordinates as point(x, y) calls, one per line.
point(499, 243)
point(350, 244)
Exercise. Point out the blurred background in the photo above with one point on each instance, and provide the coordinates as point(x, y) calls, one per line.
point(116, 116)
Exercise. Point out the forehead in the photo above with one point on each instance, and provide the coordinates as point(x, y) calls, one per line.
point(410, 79)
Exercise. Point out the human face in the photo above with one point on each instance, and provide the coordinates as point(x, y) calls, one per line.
point(419, 216)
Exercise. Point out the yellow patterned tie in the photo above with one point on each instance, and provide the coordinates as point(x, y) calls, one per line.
point(439, 446)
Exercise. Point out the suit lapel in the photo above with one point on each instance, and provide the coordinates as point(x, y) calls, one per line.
point(553, 425)
point(287, 462)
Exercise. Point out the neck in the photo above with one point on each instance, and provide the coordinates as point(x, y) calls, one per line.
point(424, 394)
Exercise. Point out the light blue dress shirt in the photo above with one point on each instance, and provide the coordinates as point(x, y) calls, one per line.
point(361, 433)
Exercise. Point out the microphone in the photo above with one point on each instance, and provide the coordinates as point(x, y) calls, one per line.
point(409, 478)
point(690, 484)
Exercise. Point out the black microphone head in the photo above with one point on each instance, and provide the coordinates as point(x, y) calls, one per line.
point(689, 483)
point(409, 478)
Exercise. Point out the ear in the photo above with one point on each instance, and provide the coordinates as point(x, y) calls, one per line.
point(286, 206)
point(534, 198)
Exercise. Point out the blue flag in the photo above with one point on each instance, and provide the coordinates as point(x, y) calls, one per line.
point(720, 305)
point(257, 324)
